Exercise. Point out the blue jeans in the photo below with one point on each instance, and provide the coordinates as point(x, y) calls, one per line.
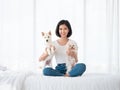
point(61, 69)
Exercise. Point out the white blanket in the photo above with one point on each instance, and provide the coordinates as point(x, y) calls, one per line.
point(12, 80)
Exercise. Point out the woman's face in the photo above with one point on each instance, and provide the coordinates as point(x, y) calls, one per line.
point(63, 31)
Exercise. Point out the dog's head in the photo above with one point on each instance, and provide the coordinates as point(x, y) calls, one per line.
point(71, 46)
point(47, 36)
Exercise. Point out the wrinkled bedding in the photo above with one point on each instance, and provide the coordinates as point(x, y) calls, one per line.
point(11, 80)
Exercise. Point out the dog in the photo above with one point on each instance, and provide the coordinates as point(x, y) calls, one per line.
point(70, 60)
point(47, 37)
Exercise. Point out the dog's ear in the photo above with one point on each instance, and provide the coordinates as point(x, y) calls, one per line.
point(49, 32)
point(42, 33)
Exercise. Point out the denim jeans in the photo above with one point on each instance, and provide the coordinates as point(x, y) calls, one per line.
point(61, 69)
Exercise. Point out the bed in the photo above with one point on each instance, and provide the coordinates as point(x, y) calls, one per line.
point(85, 82)
point(36, 81)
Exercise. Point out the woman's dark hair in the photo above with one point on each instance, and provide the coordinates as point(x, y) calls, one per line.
point(66, 22)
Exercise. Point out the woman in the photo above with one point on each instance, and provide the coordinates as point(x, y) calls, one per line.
point(63, 31)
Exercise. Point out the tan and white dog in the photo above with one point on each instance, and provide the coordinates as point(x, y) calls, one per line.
point(47, 37)
point(70, 60)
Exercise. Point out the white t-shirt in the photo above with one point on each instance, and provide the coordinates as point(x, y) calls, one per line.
point(60, 52)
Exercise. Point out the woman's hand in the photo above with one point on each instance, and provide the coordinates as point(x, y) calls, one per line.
point(72, 53)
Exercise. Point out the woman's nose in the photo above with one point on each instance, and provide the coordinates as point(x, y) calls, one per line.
point(63, 30)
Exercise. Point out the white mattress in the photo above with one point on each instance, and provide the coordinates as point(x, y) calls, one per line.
point(85, 82)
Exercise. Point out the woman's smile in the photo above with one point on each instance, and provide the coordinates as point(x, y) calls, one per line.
point(63, 30)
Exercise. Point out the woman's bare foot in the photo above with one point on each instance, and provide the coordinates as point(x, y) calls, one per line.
point(66, 75)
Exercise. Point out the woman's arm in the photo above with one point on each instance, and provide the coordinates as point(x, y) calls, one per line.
point(46, 55)
point(74, 54)
point(43, 57)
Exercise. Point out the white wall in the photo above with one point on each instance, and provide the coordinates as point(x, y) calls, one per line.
point(95, 25)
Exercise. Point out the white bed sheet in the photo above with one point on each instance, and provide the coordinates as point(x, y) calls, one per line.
point(85, 82)
point(10, 80)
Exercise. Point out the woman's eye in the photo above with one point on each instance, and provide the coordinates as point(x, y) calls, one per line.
point(65, 28)
point(60, 29)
